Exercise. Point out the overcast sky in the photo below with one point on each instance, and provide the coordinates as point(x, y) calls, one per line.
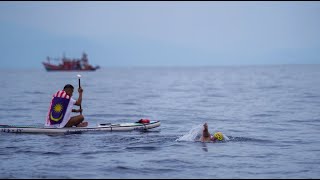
point(160, 33)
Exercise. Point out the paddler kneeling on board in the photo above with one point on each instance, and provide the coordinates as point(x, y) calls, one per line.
point(61, 105)
point(206, 137)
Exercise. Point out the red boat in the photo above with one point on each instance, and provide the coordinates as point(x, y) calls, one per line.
point(70, 64)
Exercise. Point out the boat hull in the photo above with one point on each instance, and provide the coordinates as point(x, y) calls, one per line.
point(51, 67)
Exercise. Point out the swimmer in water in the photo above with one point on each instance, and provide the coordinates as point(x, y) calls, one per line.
point(206, 137)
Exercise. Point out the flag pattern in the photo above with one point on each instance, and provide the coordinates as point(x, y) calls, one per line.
point(59, 110)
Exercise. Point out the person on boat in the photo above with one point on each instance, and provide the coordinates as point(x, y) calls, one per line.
point(60, 109)
point(206, 137)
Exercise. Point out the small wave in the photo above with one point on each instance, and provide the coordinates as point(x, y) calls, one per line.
point(269, 87)
point(12, 147)
point(244, 139)
point(142, 170)
point(310, 95)
point(52, 153)
point(15, 109)
point(148, 148)
point(34, 92)
point(128, 103)
point(122, 167)
point(115, 138)
point(94, 152)
point(302, 120)
point(216, 95)
point(169, 161)
point(262, 115)
point(151, 96)
point(37, 152)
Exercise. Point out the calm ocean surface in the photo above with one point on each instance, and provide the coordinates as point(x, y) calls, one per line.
point(271, 115)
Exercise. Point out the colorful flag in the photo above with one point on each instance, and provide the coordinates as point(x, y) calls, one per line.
point(60, 110)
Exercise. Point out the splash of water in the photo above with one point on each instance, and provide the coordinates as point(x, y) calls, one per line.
point(225, 137)
point(193, 134)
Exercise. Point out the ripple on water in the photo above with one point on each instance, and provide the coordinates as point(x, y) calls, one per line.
point(146, 148)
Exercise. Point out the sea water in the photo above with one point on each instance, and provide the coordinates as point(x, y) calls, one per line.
point(270, 115)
